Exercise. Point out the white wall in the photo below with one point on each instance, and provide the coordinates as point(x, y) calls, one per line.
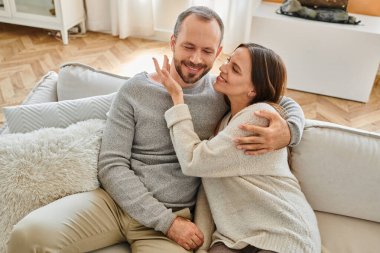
point(165, 15)
point(166, 12)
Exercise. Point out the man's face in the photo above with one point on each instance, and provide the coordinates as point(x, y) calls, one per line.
point(195, 48)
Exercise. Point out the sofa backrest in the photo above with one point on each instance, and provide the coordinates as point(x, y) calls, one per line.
point(339, 169)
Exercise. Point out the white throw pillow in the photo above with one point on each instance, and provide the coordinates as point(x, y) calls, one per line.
point(39, 167)
point(77, 80)
point(26, 118)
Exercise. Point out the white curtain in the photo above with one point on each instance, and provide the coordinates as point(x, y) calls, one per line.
point(122, 18)
point(136, 17)
point(237, 19)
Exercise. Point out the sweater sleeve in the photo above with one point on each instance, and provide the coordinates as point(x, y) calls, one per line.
point(295, 119)
point(218, 157)
point(115, 173)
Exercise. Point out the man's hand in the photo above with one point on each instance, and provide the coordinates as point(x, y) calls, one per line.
point(265, 139)
point(185, 233)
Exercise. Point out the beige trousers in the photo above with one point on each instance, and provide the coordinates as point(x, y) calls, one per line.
point(85, 222)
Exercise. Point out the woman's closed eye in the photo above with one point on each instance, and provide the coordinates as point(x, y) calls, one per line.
point(235, 68)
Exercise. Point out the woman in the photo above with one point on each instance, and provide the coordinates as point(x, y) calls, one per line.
point(256, 202)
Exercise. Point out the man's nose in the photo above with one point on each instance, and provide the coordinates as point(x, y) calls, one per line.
point(196, 57)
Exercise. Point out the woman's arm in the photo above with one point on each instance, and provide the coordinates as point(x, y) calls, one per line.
point(217, 157)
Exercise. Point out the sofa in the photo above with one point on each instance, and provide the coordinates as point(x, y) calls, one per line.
point(338, 167)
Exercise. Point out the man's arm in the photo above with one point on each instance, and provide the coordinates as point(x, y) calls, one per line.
point(280, 132)
point(295, 119)
point(116, 175)
point(121, 183)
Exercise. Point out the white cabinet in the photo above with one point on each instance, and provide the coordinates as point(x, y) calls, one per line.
point(331, 59)
point(4, 9)
point(49, 14)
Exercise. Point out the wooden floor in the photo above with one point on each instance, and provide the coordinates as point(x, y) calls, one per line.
point(26, 54)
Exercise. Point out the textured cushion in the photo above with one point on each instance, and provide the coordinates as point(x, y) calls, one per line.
point(26, 118)
point(45, 90)
point(78, 81)
point(342, 234)
point(39, 167)
point(339, 169)
point(4, 129)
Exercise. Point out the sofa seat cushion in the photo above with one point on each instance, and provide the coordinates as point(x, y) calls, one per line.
point(338, 169)
point(342, 234)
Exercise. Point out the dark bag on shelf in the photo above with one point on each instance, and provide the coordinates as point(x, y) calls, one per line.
point(295, 8)
point(333, 4)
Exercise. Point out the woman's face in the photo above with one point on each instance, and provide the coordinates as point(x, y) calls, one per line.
point(234, 79)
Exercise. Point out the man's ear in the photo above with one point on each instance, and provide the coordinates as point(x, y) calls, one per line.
point(219, 51)
point(172, 42)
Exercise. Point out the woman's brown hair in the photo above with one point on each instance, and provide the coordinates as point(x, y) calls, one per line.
point(268, 73)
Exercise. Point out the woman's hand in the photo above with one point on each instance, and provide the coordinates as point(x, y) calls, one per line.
point(174, 89)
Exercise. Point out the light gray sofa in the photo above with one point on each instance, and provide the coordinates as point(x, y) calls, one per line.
point(338, 167)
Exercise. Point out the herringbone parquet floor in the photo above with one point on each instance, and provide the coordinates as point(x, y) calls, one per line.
point(28, 53)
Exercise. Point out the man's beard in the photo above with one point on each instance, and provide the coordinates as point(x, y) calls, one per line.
point(190, 78)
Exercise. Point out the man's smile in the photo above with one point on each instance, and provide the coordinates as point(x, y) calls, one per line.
point(193, 68)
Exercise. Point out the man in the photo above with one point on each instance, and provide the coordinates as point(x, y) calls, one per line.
point(147, 200)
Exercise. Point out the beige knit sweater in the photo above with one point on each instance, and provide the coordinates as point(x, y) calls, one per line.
point(254, 200)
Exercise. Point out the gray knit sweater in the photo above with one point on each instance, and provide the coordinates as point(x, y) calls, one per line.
point(138, 166)
point(254, 200)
